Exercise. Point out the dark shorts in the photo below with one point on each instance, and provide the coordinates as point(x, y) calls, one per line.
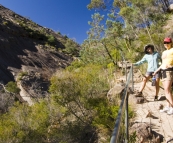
point(151, 74)
point(168, 75)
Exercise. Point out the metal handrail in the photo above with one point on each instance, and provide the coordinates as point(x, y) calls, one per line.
point(124, 102)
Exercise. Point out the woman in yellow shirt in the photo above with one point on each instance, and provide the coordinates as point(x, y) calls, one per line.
point(167, 74)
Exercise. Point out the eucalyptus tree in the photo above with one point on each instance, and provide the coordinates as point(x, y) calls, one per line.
point(94, 48)
point(145, 18)
point(142, 21)
point(97, 28)
point(142, 17)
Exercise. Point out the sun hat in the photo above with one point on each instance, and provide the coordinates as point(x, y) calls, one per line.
point(167, 39)
point(147, 46)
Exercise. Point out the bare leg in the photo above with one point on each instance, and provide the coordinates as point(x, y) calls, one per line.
point(157, 86)
point(167, 87)
point(144, 81)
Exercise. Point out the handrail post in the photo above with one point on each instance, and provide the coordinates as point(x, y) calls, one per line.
point(132, 78)
point(126, 69)
point(127, 120)
point(123, 108)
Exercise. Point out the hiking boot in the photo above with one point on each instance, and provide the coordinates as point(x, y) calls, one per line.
point(156, 98)
point(170, 111)
point(138, 94)
point(164, 109)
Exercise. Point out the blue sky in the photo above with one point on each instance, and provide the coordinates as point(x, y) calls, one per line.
point(69, 17)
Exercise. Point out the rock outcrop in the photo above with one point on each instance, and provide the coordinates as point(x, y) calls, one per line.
point(30, 54)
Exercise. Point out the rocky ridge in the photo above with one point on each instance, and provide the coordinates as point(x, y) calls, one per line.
point(29, 55)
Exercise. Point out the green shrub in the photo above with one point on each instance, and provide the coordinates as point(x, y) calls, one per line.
point(59, 33)
point(24, 123)
point(65, 36)
point(106, 113)
point(12, 87)
point(21, 74)
point(71, 47)
point(5, 23)
point(51, 40)
point(132, 137)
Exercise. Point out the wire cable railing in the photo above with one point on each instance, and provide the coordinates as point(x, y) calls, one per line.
point(120, 133)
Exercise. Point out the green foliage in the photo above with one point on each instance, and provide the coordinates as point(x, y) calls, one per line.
point(21, 74)
point(71, 47)
point(59, 32)
point(66, 37)
point(39, 35)
point(97, 31)
point(106, 114)
point(126, 12)
point(35, 34)
point(82, 92)
point(99, 54)
point(84, 82)
point(51, 40)
point(132, 113)
point(43, 31)
point(75, 65)
point(5, 23)
point(132, 137)
point(95, 54)
point(96, 4)
point(132, 27)
point(12, 87)
point(114, 29)
point(35, 123)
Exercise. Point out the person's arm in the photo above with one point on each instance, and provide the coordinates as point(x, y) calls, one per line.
point(143, 60)
point(157, 70)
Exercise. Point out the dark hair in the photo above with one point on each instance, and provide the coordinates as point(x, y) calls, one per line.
point(147, 46)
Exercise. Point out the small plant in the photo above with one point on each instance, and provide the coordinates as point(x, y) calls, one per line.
point(5, 23)
point(12, 87)
point(59, 32)
point(65, 36)
point(51, 40)
point(71, 47)
point(132, 137)
point(21, 74)
point(42, 31)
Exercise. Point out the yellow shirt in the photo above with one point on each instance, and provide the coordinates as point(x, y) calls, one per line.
point(167, 58)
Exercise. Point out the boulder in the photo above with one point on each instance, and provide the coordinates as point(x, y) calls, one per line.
point(117, 92)
point(144, 133)
point(170, 7)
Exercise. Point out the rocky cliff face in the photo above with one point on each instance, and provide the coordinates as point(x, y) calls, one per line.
point(30, 54)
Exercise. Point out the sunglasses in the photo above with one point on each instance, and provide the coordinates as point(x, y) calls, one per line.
point(166, 42)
